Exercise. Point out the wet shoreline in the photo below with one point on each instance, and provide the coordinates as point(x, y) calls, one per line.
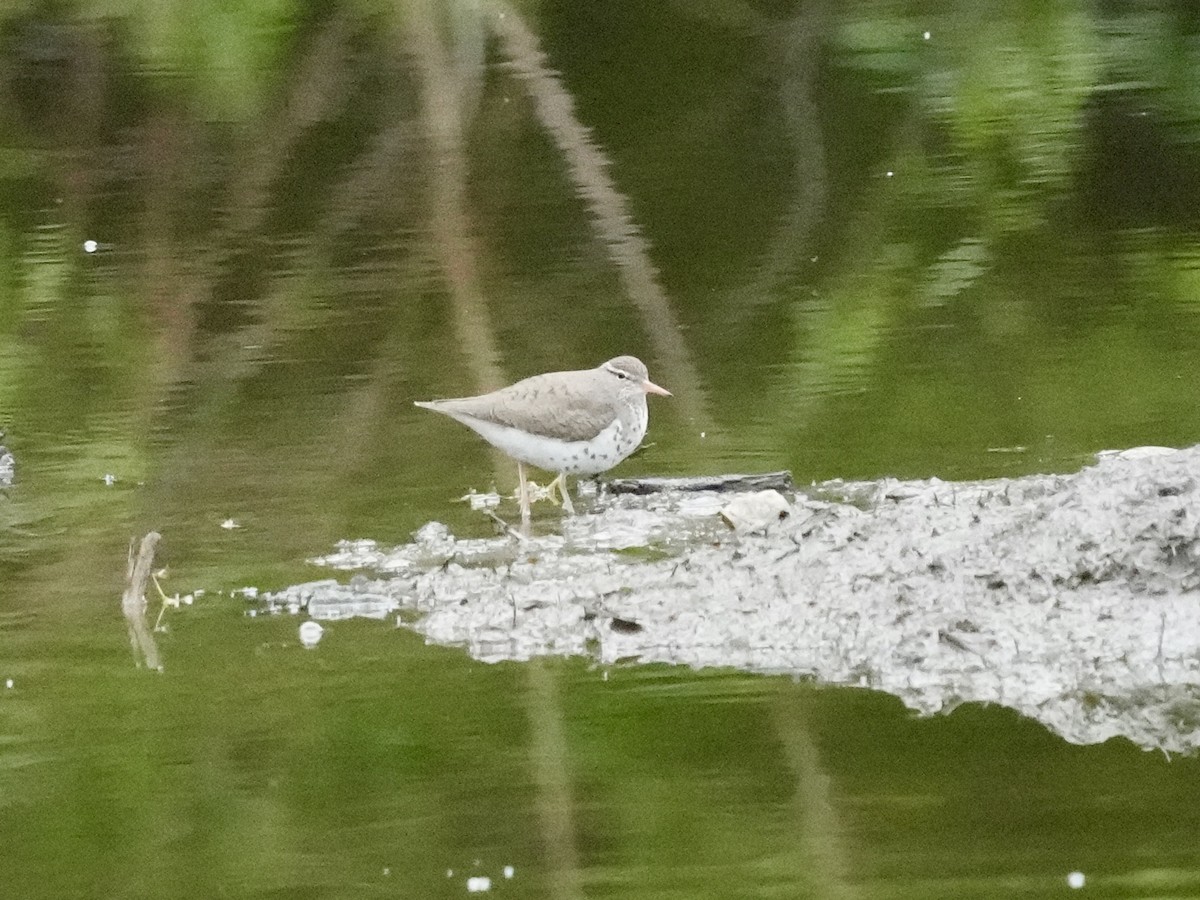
point(1069, 598)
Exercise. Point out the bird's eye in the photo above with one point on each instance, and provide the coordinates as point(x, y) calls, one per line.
point(622, 375)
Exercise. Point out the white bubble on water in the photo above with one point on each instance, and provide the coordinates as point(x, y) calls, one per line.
point(310, 633)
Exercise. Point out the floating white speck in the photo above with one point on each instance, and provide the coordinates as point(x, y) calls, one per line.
point(1075, 880)
point(509, 871)
point(703, 434)
point(482, 501)
point(449, 873)
point(230, 524)
point(478, 883)
point(90, 246)
point(110, 479)
point(890, 173)
point(8, 684)
point(926, 35)
point(310, 634)
point(387, 870)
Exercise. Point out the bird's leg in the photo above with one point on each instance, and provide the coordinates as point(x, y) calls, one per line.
point(555, 485)
point(560, 482)
point(523, 494)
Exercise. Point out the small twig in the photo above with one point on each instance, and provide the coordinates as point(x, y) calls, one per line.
point(166, 601)
point(133, 601)
point(507, 528)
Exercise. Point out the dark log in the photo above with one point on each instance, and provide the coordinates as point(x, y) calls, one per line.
point(780, 481)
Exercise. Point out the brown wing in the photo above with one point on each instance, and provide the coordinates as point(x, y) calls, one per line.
point(571, 406)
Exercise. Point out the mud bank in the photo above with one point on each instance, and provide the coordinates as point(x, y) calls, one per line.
point(1070, 598)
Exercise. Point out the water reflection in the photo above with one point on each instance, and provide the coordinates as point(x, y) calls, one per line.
point(307, 216)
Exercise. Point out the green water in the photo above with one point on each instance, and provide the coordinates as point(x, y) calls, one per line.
point(849, 249)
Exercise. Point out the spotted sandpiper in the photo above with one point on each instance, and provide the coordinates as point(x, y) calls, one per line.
point(572, 423)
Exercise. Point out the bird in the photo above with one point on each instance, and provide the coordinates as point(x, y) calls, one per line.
point(579, 422)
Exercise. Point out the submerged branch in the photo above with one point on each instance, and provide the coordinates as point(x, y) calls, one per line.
point(133, 602)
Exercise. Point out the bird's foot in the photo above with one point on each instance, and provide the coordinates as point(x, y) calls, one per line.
point(560, 482)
